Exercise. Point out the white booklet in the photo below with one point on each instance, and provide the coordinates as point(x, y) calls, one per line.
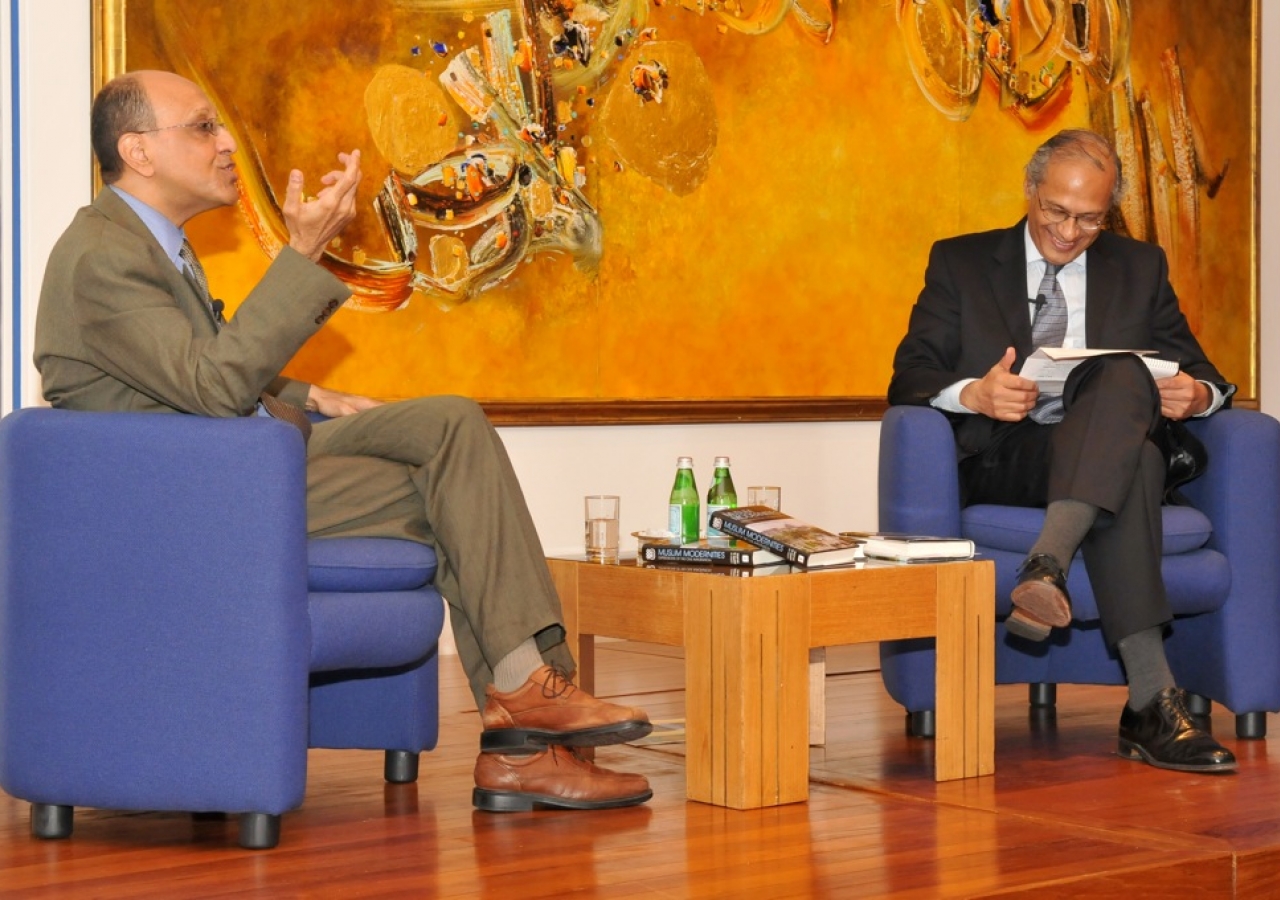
point(1049, 367)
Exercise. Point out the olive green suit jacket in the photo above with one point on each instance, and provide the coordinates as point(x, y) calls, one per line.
point(119, 327)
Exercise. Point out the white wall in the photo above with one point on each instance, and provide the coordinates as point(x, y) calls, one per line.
point(826, 469)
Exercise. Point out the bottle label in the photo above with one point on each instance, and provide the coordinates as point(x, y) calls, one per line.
point(682, 521)
point(675, 521)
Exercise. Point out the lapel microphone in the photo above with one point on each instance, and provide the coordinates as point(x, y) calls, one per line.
point(1037, 302)
point(217, 305)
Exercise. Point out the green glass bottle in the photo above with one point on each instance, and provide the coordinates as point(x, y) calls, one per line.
point(721, 494)
point(683, 520)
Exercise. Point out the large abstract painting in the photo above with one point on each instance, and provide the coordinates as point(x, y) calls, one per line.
point(696, 209)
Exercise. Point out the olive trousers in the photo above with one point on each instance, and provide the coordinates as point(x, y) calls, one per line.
point(434, 470)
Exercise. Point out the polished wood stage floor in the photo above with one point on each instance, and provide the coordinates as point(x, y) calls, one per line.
point(1063, 817)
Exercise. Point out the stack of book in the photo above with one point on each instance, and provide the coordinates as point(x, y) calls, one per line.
point(759, 539)
point(763, 537)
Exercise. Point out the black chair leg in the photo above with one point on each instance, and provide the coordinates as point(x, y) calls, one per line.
point(922, 724)
point(259, 831)
point(1198, 705)
point(51, 822)
point(1251, 726)
point(1041, 695)
point(401, 767)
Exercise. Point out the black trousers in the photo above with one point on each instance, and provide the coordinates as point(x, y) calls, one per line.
point(1101, 453)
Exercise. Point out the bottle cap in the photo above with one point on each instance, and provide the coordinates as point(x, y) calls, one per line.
point(722, 461)
point(684, 462)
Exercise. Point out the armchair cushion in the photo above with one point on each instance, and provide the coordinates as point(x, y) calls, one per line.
point(368, 564)
point(1016, 528)
point(366, 606)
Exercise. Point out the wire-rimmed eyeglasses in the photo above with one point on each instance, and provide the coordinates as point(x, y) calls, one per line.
point(1057, 215)
point(205, 127)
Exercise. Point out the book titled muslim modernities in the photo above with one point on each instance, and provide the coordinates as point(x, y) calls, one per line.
point(794, 540)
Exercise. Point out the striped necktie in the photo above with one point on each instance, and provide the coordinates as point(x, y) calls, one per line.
point(1050, 325)
point(195, 272)
point(275, 407)
point(1048, 330)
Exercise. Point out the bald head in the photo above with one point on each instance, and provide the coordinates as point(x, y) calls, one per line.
point(121, 107)
point(157, 136)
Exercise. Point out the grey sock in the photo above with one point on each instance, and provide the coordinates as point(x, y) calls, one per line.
point(1145, 665)
point(1066, 522)
point(515, 668)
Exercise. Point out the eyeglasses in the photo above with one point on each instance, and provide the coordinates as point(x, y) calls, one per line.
point(1057, 215)
point(204, 128)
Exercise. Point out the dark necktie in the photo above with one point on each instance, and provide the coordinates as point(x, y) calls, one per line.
point(195, 272)
point(1048, 330)
point(275, 407)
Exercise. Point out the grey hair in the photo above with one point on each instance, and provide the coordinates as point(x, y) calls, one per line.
point(1075, 143)
point(121, 107)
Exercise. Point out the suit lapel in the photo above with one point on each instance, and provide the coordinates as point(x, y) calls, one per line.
point(1101, 289)
point(1009, 285)
point(109, 204)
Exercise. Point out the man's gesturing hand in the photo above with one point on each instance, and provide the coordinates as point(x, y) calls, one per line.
point(314, 222)
point(1000, 394)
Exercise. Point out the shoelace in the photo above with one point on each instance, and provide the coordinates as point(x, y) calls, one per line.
point(558, 684)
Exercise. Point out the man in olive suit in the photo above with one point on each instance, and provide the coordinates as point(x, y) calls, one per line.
point(126, 322)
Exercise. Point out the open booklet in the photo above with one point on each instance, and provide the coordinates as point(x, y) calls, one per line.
point(1049, 367)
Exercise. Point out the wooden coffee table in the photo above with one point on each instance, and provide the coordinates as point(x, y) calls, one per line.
point(747, 643)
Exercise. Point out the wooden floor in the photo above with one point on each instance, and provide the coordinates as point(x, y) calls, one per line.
point(1063, 817)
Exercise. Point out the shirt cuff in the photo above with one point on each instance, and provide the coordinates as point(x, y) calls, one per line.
point(948, 399)
point(1215, 403)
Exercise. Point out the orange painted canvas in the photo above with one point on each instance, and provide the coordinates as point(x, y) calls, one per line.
point(697, 199)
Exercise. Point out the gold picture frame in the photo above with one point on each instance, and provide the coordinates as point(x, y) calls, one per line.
point(756, 260)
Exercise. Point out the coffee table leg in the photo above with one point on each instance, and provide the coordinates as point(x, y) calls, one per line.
point(965, 742)
point(747, 690)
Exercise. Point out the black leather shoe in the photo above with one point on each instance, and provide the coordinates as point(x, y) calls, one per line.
point(1164, 735)
point(1040, 599)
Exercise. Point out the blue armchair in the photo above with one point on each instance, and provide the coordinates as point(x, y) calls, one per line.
point(1221, 569)
point(169, 637)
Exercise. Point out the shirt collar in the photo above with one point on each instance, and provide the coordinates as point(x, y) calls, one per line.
point(168, 235)
point(1034, 257)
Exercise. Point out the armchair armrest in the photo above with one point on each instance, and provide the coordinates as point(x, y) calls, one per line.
point(147, 560)
point(919, 487)
point(1239, 487)
point(1231, 656)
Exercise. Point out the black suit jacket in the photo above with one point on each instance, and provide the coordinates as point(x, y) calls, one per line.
point(974, 304)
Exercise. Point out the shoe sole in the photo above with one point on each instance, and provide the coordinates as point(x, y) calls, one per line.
point(1026, 626)
point(1130, 750)
point(517, 801)
point(513, 740)
point(1043, 602)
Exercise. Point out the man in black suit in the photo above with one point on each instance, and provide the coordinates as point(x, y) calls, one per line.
point(1089, 457)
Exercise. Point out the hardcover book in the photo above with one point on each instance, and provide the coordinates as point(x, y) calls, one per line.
point(708, 551)
point(911, 547)
point(727, 571)
point(794, 540)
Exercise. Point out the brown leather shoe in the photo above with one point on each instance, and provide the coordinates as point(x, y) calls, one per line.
point(556, 778)
point(549, 709)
